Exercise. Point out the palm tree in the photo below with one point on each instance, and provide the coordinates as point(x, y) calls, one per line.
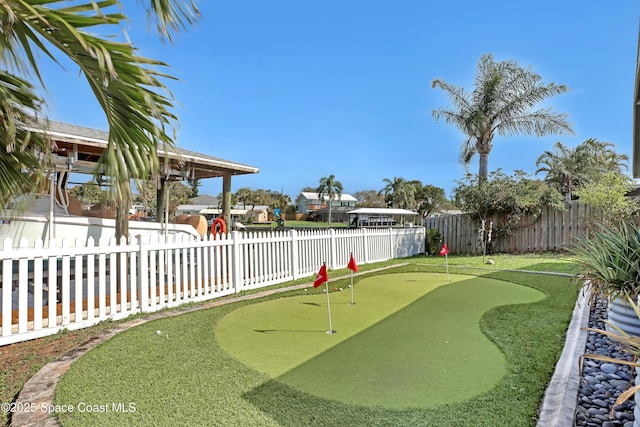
point(244, 195)
point(603, 156)
point(128, 87)
point(569, 168)
point(330, 187)
point(565, 168)
point(399, 192)
point(502, 103)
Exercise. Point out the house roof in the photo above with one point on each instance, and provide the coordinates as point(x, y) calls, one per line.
point(204, 200)
point(342, 197)
point(85, 145)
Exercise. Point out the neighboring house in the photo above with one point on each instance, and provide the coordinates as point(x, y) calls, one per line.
point(204, 200)
point(191, 209)
point(445, 212)
point(309, 203)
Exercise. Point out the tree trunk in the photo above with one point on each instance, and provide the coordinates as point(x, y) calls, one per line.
point(161, 194)
point(484, 165)
point(122, 221)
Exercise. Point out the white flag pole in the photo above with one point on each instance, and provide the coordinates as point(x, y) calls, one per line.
point(330, 331)
point(326, 287)
point(352, 302)
point(350, 258)
point(446, 261)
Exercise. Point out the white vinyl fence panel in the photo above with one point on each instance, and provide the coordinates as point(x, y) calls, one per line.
point(72, 286)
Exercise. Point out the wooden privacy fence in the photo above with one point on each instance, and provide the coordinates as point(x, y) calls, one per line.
point(552, 231)
point(66, 286)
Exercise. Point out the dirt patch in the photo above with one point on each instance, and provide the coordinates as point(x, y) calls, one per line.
point(20, 361)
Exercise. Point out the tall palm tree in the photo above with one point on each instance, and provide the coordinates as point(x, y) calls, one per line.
point(138, 106)
point(569, 168)
point(603, 156)
point(331, 188)
point(399, 192)
point(565, 168)
point(244, 196)
point(502, 103)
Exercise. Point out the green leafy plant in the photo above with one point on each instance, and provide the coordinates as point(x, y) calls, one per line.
point(610, 257)
point(433, 240)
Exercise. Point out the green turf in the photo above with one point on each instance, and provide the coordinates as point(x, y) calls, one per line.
point(403, 344)
point(183, 377)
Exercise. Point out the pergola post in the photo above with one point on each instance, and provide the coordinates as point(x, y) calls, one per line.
point(226, 199)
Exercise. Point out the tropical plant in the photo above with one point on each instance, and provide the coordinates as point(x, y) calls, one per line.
point(244, 195)
point(607, 193)
point(429, 199)
point(128, 87)
point(433, 241)
point(504, 199)
point(331, 188)
point(90, 193)
point(399, 193)
point(370, 199)
point(502, 103)
point(193, 185)
point(569, 168)
point(610, 258)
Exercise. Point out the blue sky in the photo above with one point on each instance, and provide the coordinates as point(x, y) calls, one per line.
point(304, 89)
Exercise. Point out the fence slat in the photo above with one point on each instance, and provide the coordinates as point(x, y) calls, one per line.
point(111, 280)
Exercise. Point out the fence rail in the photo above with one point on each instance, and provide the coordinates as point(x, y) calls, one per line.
point(67, 286)
point(552, 231)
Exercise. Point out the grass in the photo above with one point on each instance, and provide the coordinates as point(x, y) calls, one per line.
point(382, 354)
point(184, 377)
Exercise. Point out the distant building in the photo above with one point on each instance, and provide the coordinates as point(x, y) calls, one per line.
point(382, 217)
point(204, 200)
point(445, 212)
point(309, 203)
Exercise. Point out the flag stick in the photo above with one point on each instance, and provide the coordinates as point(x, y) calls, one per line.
point(353, 266)
point(445, 251)
point(330, 331)
point(446, 262)
point(352, 302)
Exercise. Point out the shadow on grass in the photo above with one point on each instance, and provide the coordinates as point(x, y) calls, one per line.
point(291, 407)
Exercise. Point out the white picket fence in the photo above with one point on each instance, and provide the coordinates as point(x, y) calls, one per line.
point(64, 286)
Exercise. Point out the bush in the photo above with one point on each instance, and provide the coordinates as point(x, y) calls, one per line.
point(433, 239)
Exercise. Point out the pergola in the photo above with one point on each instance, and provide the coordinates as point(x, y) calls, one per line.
point(78, 148)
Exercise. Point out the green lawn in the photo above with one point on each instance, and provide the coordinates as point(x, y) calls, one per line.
point(196, 372)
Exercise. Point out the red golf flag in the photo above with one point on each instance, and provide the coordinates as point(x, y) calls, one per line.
point(444, 250)
point(352, 264)
point(321, 277)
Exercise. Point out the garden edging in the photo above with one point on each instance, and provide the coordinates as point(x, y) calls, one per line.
point(558, 408)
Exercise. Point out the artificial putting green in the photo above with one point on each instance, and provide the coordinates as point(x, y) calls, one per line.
point(410, 339)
